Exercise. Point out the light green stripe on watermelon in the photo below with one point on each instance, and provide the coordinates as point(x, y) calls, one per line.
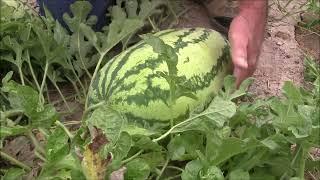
point(101, 83)
point(153, 62)
point(131, 85)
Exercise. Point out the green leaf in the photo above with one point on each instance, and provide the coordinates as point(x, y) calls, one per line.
point(146, 143)
point(80, 11)
point(219, 111)
point(262, 175)
point(12, 44)
point(229, 84)
point(278, 165)
point(166, 52)
point(21, 97)
point(82, 50)
point(288, 119)
point(89, 33)
point(153, 159)
point(60, 35)
point(213, 173)
point(231, 92)
point(141, 10)
point(44, 118)
point(298, 162)
point(123, 146)
point(178, 88)
point(215, 116)
point(312, 71)
point(8, 58)
point(119, 29)
point(12, 131)
point(307, 111)
point(220, 150)
point(292, 93)
point(57, 146)
point(192, 170)
point(147, 7)
point(296, 178)
point(135, 130)
point(49, 20)
point(62, 169)
point(54, 52)
point(184, 146)
point(7, 77)
point(109, 121)
point(132, 8)
point(26, 99)
point(14, 174)
point(270, 144)
point(242, 90)
point(239, 174)
point(137, 169)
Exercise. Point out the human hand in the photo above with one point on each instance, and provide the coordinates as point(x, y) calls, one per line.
point(246, 35)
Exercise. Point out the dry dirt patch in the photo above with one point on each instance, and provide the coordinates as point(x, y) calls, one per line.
point(281, 58)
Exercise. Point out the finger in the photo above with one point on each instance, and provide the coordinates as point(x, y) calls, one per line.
point(239, 37)
point(240, 75)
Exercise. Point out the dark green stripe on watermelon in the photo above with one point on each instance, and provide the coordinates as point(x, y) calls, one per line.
point(178, 45)
point(96, 84)
point(152, 93)
point(151, 64)
point(194, 84)
point(106, 90)
point(202, 37)
point(114, 73)
point(181, 43)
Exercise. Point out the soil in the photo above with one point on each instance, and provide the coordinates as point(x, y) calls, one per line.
point(281, 56)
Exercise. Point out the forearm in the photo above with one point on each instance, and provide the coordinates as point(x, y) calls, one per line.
point(255, 12)
point(253, 5)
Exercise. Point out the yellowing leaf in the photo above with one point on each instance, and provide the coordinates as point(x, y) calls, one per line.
point(93, 165)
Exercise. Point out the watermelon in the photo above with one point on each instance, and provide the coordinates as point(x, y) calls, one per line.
point(130, 84)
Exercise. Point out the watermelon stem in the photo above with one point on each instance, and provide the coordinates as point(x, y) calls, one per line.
point(163, 168)
point(95, 74)
point(59, 124)
point(14, 161)
point(179, 124)
point(31, 70)
point(80, 56)
point(41, 98)
point(95, 106)
point(132, 157)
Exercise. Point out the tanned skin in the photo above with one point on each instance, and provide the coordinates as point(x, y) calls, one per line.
point(246, 35)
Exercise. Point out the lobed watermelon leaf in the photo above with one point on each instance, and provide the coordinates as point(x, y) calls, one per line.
point(239, 174)
point(215, 116)
point(184, 146)
point(14, 173)
point(109, 121)
point(122, 147)
point(231, 92)
point(192, 170)
point(24, 99)
point(137, 169)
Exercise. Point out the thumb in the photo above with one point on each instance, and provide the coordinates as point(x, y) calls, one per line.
point(238, 36)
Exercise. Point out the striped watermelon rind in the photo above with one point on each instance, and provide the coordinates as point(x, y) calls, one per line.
point(130, 84)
